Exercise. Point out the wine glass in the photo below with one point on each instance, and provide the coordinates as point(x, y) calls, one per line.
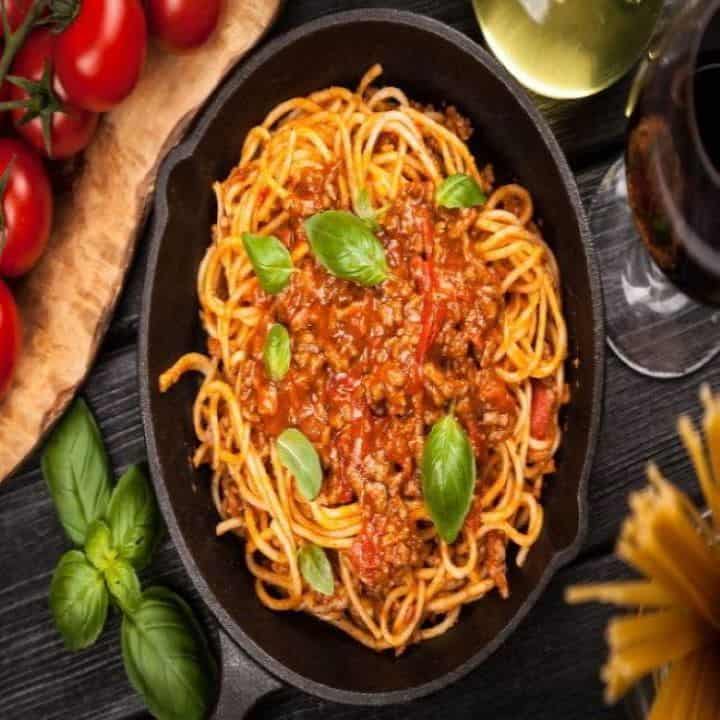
point(659, 292)
point(567, 48)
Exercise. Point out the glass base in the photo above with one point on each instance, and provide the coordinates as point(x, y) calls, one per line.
point(651, 326)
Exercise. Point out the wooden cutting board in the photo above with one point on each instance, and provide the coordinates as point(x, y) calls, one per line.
point(67, 301)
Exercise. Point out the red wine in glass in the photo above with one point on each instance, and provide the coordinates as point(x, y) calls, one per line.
point(659, 294)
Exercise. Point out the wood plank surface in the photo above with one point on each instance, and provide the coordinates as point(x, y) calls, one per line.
point(546, 671)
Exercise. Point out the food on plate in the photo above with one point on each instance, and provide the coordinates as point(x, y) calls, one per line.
point(10, 337)
point(51, 124)
point(27, 207)
point(379, 479)
point(182, 24)
point(100, 55)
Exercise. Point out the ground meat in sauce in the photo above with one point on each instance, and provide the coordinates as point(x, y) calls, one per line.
point(362, 386)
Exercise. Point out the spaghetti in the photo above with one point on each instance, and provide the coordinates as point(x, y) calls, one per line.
point(469, 318)
point(674, 546)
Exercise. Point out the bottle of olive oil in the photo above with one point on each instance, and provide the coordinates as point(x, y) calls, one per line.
point(567, 48)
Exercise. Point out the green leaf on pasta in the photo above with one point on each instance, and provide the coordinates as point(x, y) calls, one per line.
point(448, 476)
point(271, 261)
point(346, 247)
point(315, 568)
point(276, 352)
point(460, 191)
point(299, 456)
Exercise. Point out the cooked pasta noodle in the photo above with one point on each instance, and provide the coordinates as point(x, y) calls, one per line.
point(469, 318)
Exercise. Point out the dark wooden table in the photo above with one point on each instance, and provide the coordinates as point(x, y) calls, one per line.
point(549, 667)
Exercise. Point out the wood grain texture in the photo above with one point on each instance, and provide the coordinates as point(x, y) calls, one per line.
point(546, 671)
point(67, 301)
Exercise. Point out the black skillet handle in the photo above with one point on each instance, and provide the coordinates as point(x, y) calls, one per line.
point(242, 682)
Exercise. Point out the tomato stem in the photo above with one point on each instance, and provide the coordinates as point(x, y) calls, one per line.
point(13, 105)
point(14, 39)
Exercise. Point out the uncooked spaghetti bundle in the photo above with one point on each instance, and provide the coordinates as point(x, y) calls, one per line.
point(675, 618)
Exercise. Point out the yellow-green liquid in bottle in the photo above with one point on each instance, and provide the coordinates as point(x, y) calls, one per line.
point(567, 48)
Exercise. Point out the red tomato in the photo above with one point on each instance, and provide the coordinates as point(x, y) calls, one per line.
point(541, 411)
point(73, 127)
point(27, 205)
point(10, 337)
point(100, 55)
point(16, 11)
point(182, 24)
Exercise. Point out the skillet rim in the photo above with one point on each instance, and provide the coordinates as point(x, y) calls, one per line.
point(184, 151)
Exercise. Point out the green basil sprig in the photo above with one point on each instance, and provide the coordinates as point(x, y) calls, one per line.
point(299, 456)
point(166, 657)
point(271, 261)
point(448, 476)
point(134, 518)
point(460, 191)
point(120, 576)
point(77, 471)
point(315, 568)
point(124, 585)
point(78, 600)
point(165, 654)
point(99, 547)
point(346, 247)
point(276, 352)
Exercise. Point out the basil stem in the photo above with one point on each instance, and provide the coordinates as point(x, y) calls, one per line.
point(365, 210)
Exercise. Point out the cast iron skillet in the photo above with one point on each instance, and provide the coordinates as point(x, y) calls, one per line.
point(432, 63)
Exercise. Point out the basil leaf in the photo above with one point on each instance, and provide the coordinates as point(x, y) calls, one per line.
point(365, 210)
point(346, 247)
point(134, 518)
point(166, 657)
point(460, 191)
point(78, 600)
point(315, 568)
point(448, 476)
point(76, 469)
point(277, 353)
point(98, 548)
point(124, 585)
point(299, 456)
point(271, 261)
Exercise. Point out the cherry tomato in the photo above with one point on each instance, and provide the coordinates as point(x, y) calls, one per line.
point(27, 206)
point(16, 11)
point(182, 24)
point(100, 55)
point(73, 127)
point(10, 337)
